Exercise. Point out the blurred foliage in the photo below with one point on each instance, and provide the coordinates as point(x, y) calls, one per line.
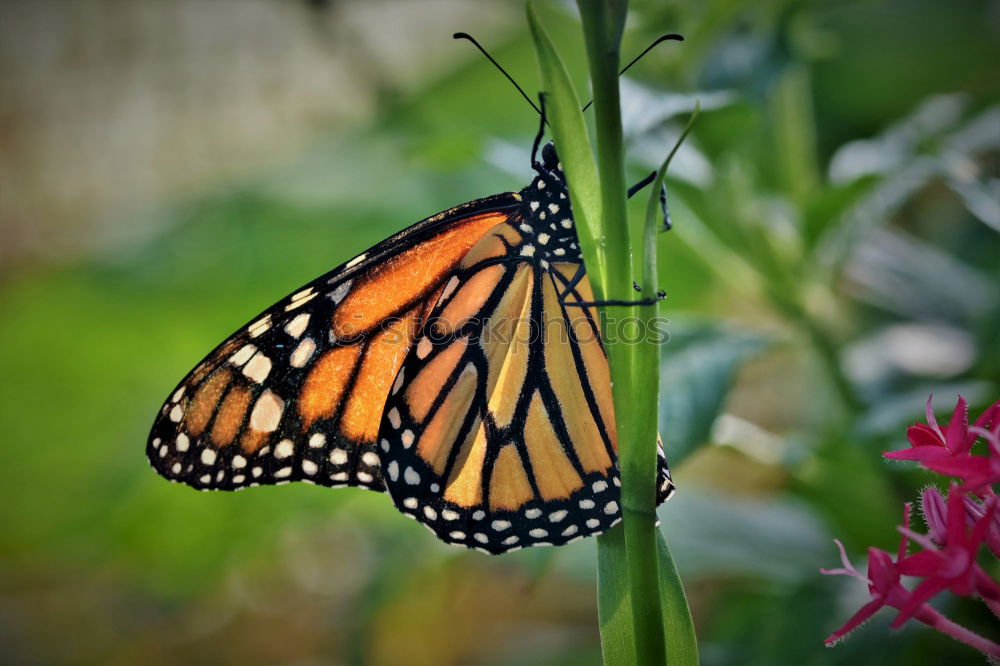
point(833, 262)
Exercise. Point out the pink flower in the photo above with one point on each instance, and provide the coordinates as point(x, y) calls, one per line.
point(885, 589)
point(935, 511)
point(952, 566)
point(975, 510)
point(947, 451)
point(956, 530)
point(883, 583)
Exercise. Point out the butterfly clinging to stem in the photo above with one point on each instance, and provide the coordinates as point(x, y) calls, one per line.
point(457, 365)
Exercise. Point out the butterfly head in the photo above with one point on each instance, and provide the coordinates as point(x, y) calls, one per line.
point(549, 175)
point(550, 168)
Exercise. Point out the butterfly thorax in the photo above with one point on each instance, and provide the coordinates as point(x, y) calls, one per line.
point(550, 233)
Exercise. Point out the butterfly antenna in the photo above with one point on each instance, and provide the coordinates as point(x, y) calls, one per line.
point(465, 35)
point(662, 38)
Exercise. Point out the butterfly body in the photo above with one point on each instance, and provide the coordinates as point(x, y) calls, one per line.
point(447, 365)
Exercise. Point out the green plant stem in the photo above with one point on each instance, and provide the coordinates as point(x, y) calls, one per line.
point(634, 366)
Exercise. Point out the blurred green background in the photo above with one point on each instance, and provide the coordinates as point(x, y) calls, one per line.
point(169, 169)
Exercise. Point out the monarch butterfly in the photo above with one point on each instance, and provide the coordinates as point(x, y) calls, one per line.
point(453, 365)
point(457, 365)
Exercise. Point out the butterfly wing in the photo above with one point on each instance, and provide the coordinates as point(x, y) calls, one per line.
point(297, 394)
point(499, 430)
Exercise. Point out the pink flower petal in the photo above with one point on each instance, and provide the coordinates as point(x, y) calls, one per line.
point(931, 421)
point(921, 454)
point(856, 620)
point(990, 416)
point(922, 564)
point(882, 571)
point(921, 434)
point(933, 506)
point(926, 590)
point(957, 431)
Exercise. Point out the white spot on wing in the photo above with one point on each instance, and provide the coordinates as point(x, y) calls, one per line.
point(448, 289)
point(266, 412)
point(260, 326)
point(284, 449)
point(301, 298)
point(258, 368)
point(243, 355)
point(303, 352)
point(398, 384)
point(297, 326)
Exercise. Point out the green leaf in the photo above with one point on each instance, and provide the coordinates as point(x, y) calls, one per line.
point(678, 627)
point(614, 604)
point(697, 370)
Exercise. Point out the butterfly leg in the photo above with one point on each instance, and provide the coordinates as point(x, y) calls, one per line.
point(664, 209)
